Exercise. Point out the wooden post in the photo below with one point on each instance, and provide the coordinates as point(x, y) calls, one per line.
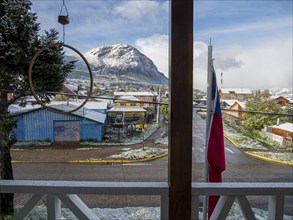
point(180, 109)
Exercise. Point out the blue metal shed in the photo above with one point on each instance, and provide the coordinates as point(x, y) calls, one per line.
point(41, 124)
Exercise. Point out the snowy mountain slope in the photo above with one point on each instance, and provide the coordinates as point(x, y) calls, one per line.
point(285, 92)
point(121, 63)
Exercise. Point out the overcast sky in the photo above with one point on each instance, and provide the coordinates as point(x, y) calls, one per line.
point(252, 40)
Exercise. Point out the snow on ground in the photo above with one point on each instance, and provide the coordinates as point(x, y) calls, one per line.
point(285, 157)
point(248, 143)
point(153, 213)
point(146, 152)
point(140, 213)
point(242, 140)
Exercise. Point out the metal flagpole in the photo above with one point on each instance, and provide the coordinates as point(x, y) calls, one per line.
point(208, 120)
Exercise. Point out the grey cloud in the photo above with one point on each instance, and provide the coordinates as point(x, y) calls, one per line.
point(226, 62)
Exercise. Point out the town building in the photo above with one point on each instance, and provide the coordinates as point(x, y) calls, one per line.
point(127, 100)
point(240, 94)
point(281, 133)
point(282, 101)
point(284, 130)
point(233, 107)
point(40, 124)
point(147, 97)
point(126, 115)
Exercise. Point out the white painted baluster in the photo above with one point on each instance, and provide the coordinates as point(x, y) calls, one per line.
point(276, 207)
point(165, 205)
point(78, 207)
point(53, 207)
point(245, 207)
point(195, 207)
point(223, 207)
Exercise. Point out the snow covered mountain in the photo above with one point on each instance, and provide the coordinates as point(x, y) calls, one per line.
point(120, 63)
point(285, 92)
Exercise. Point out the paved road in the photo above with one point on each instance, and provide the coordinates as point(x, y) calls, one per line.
point(240, 168)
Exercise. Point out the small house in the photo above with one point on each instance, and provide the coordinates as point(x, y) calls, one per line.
point(240, 94)
point(282, 133)
point(234, 108)
point(282, 101)
point(128, 114)
point(284, 130)
point(146, 97)
point(127, 100)
point(40, 124)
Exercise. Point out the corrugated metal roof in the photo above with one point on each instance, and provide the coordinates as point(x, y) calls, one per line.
point(16, 109)
point(89, 104)
point(236, 90)
point(83, 112)
point(127, 109)
point(127, 97)
point(232, 102)
point(285, 126)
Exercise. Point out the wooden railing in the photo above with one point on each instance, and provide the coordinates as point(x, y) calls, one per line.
point(66, 192)
point(230, 192)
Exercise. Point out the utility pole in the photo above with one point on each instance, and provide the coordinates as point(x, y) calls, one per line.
point(158, 107)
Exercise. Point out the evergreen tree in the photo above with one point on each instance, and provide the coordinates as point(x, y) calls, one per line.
point(19, 41)
point(165, 110)
point(262, 103)
point(289, 111)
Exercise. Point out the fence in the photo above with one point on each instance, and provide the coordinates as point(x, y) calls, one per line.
point(66, 192)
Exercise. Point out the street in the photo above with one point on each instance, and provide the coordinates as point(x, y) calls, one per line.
point(239, 168)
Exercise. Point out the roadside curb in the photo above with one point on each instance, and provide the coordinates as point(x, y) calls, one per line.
point(118, 161)
point(100, 160)
point(258, 156)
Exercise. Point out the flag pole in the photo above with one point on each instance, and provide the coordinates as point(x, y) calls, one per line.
point(208, 122)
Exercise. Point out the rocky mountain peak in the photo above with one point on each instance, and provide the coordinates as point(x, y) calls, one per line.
point(124, 60)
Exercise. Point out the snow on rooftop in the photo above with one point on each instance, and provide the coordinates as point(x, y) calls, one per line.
point(127, 97)
point(88, 104)
point(62, 106)
point(135, 93)
point(71, 87)
point(229, 102)
point(285, 126)
point(83, 112)
point(236, 90)
point(127, 109)
point(232, 102)
point(16, 109)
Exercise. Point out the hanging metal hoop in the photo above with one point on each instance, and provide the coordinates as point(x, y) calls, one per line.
point(32, 87)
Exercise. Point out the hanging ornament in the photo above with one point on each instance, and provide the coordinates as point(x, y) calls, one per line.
point(63, 18)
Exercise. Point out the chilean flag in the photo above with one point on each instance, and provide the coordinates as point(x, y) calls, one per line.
point(216, 152)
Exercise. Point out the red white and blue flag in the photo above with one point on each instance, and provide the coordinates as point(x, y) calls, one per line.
point(216, 151)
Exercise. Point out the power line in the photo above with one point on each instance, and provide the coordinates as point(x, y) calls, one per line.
point(27, 92)
point(258, 112)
